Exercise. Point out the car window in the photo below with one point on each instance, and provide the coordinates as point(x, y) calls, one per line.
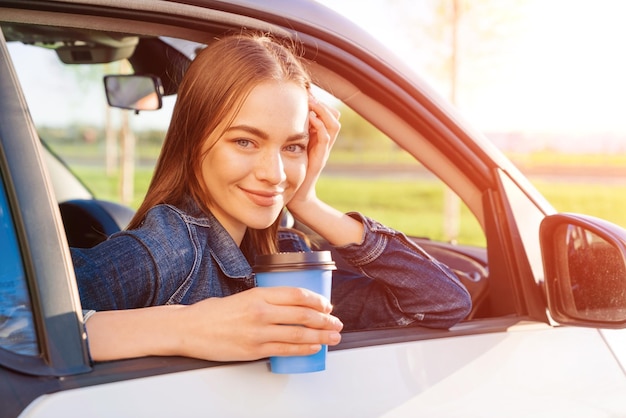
point(366, 172)
point(369, 173)
point(69, 108)
point(17, 331)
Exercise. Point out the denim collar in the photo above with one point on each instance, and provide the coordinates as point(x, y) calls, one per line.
point(221, 245)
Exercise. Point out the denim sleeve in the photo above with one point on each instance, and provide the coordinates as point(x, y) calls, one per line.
point(136, 268)
point(394, 282)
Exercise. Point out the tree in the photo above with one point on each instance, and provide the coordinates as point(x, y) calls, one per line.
point(461, 42)
point(120, 140)
point(127, 155)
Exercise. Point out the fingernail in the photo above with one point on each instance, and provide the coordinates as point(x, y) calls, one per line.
point(334, 337)
point(315, 347)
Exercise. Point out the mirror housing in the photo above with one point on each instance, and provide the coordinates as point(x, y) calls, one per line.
point(585, 270)
point(134, 92)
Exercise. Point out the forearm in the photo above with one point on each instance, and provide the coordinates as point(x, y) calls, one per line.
point(244, 326)
point(400, 284)
point(331, 224)
point(123, 334)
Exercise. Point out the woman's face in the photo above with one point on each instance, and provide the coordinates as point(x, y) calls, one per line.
point(259, 162)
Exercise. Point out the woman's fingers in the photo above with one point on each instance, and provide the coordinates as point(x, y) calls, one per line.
point(325, 119)
point(295, 334)
point(295, 340)
point(294, 321)
point(292, 305)
point(283, 349)
point(294, 296)
point(306, 317)
point(257, 323)
point(323, 110)
point(283, 340)
point(323, 133)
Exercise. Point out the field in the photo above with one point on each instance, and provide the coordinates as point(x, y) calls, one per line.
point(415, 206)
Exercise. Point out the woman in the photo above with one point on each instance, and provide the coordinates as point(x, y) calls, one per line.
point(248, 139)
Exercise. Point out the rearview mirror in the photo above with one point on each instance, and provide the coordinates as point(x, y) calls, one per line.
point(585, 268)
point(134, 92)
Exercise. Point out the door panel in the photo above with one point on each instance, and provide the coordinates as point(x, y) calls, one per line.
point(531, 370)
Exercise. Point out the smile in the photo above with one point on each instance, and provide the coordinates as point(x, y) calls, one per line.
point(263, 198)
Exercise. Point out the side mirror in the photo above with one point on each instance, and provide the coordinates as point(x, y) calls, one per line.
point(585, 270)
point(134, 92)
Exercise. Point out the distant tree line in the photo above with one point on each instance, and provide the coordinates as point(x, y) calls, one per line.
point(86, 134)
point(357, 135)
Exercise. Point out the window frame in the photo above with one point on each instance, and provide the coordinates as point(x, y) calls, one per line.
point(45, 256)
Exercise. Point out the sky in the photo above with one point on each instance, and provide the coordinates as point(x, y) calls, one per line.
point(562, 69)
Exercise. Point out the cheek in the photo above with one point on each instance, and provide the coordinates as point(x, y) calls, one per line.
point(214, 172)
point(296, 172)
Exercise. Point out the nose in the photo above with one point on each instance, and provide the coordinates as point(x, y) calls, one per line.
point(270, 167)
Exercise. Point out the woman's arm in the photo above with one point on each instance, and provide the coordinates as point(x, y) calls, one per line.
point(132, 269)
point(245, 326)
point(395, 281)
point(333, 225)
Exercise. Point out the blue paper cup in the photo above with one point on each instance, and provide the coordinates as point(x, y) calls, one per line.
point(309, 270)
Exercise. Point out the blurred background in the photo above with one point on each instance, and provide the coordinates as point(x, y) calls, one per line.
point(532, 74)
point(544, 80)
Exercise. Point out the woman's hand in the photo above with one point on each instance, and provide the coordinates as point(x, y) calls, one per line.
point(334, 226)
point(244, 326)
point(251, 324)
point(323, 130)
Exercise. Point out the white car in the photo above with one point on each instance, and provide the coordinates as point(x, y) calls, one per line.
point(544, 338)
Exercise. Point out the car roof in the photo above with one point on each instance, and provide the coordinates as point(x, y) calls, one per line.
point(286, 17)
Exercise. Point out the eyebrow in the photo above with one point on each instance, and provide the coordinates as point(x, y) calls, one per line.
point(264, 135)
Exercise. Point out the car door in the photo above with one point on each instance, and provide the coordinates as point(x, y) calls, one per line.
point(38, 290)
point(510, 363)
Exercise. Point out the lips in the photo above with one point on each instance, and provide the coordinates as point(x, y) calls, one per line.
point(263, 198)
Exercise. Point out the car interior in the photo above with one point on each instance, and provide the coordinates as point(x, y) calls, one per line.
point(88, 220)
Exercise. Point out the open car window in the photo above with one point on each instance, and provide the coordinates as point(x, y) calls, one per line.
point(75, 123)
point(368, 172)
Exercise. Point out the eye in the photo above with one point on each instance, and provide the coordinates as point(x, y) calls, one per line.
point(243, 143)
point(296, 148)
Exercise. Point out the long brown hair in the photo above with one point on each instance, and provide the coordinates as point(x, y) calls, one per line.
point(211, 93)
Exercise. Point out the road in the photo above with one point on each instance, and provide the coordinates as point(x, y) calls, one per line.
point(554, 173)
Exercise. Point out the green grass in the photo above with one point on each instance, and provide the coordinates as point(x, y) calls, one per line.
point(108, 187)
point(412, 206)
point(606, 201)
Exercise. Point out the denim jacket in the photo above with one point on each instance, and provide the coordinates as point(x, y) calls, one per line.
point(179, 257)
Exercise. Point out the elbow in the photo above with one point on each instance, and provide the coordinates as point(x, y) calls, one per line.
point(456, 305)
point(449, 312)
point(460, 309)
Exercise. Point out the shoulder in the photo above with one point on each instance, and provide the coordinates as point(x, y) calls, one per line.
point(162, 223)
point(166, 216)
point(164, 227)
